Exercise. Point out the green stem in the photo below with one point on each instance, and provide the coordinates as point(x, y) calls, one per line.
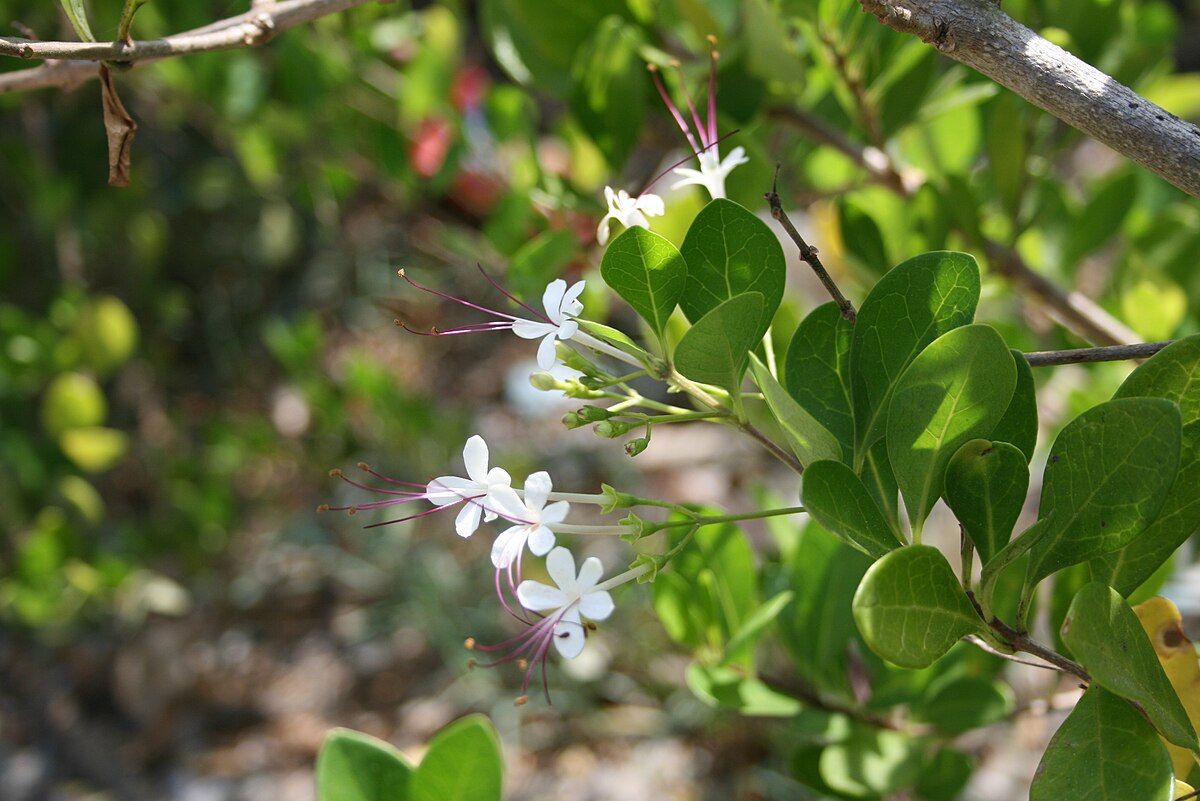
point(707, 520)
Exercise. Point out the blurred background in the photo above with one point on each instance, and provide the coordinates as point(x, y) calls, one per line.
point(183, 361)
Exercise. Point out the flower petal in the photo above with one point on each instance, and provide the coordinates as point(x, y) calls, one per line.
point(552, 299)
point(537, 490)
point(508, 546)
point(546, 356)
point(602, 229)
point(589, 573)
point(569, 634)
point(505, 502)
point(560, 564)
point(468, 519)
point(475, 457)
point(538, 597)
point(556, 512)
point(571, 304)
point(651, 205)
point(447, 490)
point(596, 605)
point(532, 329)
point(540, 540)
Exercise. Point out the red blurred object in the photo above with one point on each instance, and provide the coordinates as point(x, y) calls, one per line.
point(470, 84)
point(429, 147)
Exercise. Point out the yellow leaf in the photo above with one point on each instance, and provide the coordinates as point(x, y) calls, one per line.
point(1164, 625)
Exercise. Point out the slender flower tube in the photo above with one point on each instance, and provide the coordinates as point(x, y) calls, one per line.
point(561, 303)
point(713, 169)
point(628, 211)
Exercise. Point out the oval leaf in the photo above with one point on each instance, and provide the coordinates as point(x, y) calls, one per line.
point(1019, 425)
point(986, 484)
point(1104, 751)
point(353, 766)
point(1105, 636)
point(810, 440)
point(957, 389)
point(724, 686)
point(1172, 373)
point(1107, 477)
point(817, 371)
point(911, 609)
point(729, 252)
point(716, 349)
point(839, 501)
point(912, 305)
point(648, 272)
point(609, 87)
point(463, 763)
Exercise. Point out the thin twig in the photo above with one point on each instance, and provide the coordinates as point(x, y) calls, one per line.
point(801, 691)
point(807, 252)
point(1112, 353)
point(1020, 641)
point(74, 62)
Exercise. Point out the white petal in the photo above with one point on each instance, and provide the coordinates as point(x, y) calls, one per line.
point(475, 457)
point(602, 229)
point(538, 597)
point(445, 490)
point(560, 564)
point(596, 605)
point(652, 205)
point(468, 519)
point(537, 489)
point(569, 634)
point(610, 196)
point(532, 329)
point(505, 501)
point(508, 545)
point(589, 573)
point(568, 329)
point(570, 302)
point(540, 540)
point(556, 512)
point(552, 299)
point(545, 353)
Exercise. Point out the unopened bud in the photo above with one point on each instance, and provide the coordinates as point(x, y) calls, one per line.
point(573, 420)
point(610, 428)
point(636, 446)
point(544, 381)
point(594, 414)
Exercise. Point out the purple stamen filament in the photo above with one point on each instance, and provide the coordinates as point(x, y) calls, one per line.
point(493, 325)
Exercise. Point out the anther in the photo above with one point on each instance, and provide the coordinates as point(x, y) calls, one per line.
point(335, 472)
point(521, 700)
point(469, 643)
point(364, 466)
point(323, 507)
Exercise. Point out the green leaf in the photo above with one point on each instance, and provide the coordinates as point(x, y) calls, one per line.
point(817, 628)
point(809, 440)
point(729, 252)
point(871, 762)
point(880, 481)
point(716, 349)
point(986, 484)
point(911, 609)
point(1172, 373)
point(1104, 751)
point(353, 766)
point(1107, 477)
point(1102, 218)
point(956, 389)
point(944, 775)
point(817, 371)
point(966, 703)
point(648, 272)
point(1019, 425)
point(912, 305)
point(731, 688)
point(77, 15)
point(837, 499)
point(1105, 636)
point(750, 630)
point(608, 96)
point(463, 763)
point(1127, 568)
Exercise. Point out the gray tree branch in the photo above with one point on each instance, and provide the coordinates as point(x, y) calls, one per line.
point(979, 34)
point(70, 63)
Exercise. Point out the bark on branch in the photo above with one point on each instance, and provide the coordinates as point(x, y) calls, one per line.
point(70, 63)
point(979, 34)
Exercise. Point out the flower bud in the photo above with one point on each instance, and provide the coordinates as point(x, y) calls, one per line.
point(636, 446)
point(593, 414)
point(574, 420)
point(610, 429)
point(544, 382)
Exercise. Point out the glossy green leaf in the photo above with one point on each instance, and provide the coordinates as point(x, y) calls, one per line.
point(353, 766)
point(1127, 568)
point(966, 703)
point(986, 484)
point(731, 688)
point(463, 763)
point(817, 371)
point(1105, 636)
point(944, 775)
point(1019, 425)
point(1172, 373)
point(1104, 751)
point(1107, 477)
point(955, 390)
point(608, 96)
point(809, 440)
point(716, 349)
point(648, 272)
point(871, 762)
point(911, 306)
point(77, 16)
point(880, 482)
point(911, 609)
point(837, 499)
point(729, 251)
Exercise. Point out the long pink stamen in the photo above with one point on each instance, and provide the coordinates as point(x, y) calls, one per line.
point(366, 468)
point(686, 159)
point(679, 120)
point(460, 301)
point(687, 96)
point(712, 90)
point(509, 295)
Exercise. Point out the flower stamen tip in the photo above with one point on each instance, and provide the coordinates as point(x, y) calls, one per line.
point(469, 643)
point(323, 508)
point(521, 700)
point(523, 664)
point(335, 472)
point(364, 466)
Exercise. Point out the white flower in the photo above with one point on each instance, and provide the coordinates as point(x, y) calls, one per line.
point(713, 170)
point(575, 596)
point(562, 305)
point(536, 529)
point(628, 211)
point(483, 490)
